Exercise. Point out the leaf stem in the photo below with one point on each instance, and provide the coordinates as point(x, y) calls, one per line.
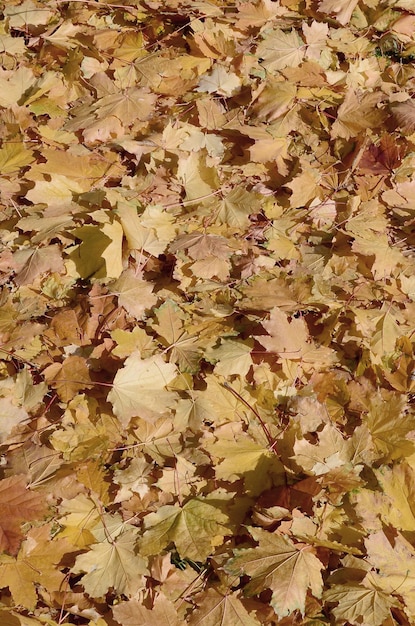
point(270, 439)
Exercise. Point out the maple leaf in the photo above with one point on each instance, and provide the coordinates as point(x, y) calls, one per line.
point(196, 528)
point(69, 377)
point(343, 9)
point(151, 232)
point(14, 84)
point(256, 464)
point(356, 602)
point(18, 504)
point(36, 564)
point(184, 347)
point(129, 342)
point(287, 338)
point(277, 564)
point(27, 14)
point(305, 188)
point(134, 294)
point(390, 427)
point(79, 517)
point(55, 192)
point(112, 564)
point(394, 567)
point(275, 99)
point(236, 206)
point(158, 439)
point(357, 112)
point(221, 608)
point(217, 404)
point(134, 103)
point(386, 257)
point(99, 253)
point(13, 157)
point(331, 451)
point(75, 171)
point(136, 478)
point(404, 112)
point(231, 357)
point(200, 245)
point(279, 50)
point(381, 158)
point(398, 485)
point(31, 264)
point(139, 388)
point(220, 81)
point(10, 416)
point(254, 15)
point(197, 177)
point(134, 613)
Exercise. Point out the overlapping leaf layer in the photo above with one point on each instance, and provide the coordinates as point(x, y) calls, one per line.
point(207, 312)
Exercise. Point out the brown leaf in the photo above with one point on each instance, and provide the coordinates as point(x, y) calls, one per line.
point(32, 264)
point(17, 504)
point(404, 113)
point(68, 377)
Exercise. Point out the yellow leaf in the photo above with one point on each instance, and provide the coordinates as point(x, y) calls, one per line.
point(134, 104)
point(184, 347)
point(390, 426)
point(134, 479)
point(35, 565)
point(13, 156)
point(112, 564)
point(80, 516)
point(57, 191)
point(356, 113)
point(134, 294)
point(236, 206)
point(129, 342)
point(196, 528)
point(139, 388)
point(197, 178)
point(305, 187)
point(221, 608)
point(14, 84)
point(356, 603)
point(289, 339)
point(134, 613)
point(10, 416)
point(78, 172)
point(398, 485)
point(32, 264)
point(343, 9)
point(19, 577)
point(280, 49)
point(68, 377)
point(220, 81)
point(231, 357)
point(394, 567)
point(281, 566)
point(274, 100)
point(87, 258)
point(257, 465)
point(219, 405)
point(179, 480)
point(255, 15)
point(27, 14)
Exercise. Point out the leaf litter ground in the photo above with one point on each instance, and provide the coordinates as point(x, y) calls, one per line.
point(207, 313)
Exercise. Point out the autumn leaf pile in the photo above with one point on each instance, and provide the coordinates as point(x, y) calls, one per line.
point(207, 312)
